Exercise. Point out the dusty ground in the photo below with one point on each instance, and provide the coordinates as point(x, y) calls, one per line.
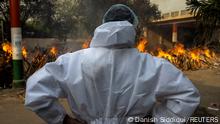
point(12, 110)
point(208, 83)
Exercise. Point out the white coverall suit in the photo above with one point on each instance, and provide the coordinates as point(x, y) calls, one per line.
point(110, 81)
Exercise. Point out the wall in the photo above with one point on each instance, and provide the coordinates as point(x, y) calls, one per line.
point(170, 5)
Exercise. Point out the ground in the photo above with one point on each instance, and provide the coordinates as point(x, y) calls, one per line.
point(207, 81)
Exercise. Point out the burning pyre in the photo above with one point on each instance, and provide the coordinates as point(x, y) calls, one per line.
point(182, 58)
point(185, 59)
point(7, 48)
point(33, 60)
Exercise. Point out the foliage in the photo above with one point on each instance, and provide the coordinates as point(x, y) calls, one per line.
point(69, 18)
point(38, 10)
point(42, 18)
point(65, 19)
point(208, 17)
point(4, 12)
point(93, 11)
point(145, 11)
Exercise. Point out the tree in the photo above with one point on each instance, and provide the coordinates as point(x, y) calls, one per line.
point(93, 11)
point(146, 11)
point(37, 17)
point(207, 16)
point(4, 11)
point(65, 19)
point(37, 10)
point(68, 18)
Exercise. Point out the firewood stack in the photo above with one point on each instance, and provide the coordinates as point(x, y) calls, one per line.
point(189, 59)
point(32, 61)
point(37, 59)
point(184, 59)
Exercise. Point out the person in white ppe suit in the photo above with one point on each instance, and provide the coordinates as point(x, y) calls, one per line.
point(111, 81)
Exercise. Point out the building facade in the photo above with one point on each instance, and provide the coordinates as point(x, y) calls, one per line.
point(177, 24)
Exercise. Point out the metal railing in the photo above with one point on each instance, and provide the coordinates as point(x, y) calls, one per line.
point(175, 15)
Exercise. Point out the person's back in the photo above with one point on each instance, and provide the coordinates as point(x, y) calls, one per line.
point(110, 82)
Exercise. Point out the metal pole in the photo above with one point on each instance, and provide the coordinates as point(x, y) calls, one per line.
point(16, 38)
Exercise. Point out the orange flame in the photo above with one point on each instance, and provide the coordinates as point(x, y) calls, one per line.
point(86, 43)
point(6, 47)
point(195, 54)
point(178, 49)
point(208, 53)
point(184, 58)
point(142, 45)
point(162, 54)
point(24, 52)
point(54, 51)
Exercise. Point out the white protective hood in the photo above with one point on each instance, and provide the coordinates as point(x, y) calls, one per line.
point(114, 34)
point(110, 82)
